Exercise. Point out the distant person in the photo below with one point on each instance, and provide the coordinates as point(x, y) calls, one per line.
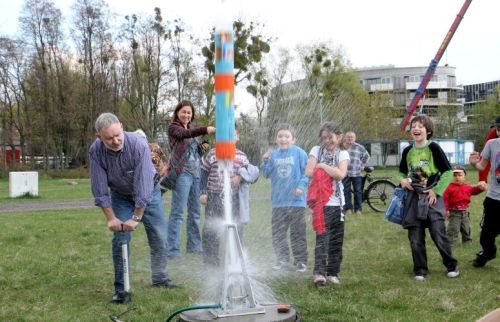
point(286, 167)
point(358, 160)
point(186, 157)
point(457, 200)
point(158, 157)
point(123, 184)
point(490, 223)
point(212, 193)
point(329, 160)
point(431, 158)
point(493, 134)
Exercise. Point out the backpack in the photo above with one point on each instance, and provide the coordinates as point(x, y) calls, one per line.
point(396, 211)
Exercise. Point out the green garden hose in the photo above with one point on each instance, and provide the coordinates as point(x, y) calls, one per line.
point(194, 307)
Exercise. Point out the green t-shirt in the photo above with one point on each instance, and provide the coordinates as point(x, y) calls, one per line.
point(433, 161)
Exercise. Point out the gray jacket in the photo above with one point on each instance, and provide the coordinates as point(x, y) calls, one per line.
point(249, 174)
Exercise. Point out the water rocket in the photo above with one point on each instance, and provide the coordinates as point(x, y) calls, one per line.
point(225, 145)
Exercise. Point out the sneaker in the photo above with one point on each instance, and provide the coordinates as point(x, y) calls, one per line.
point(279, 266)
point(333, 279)
point(121, 297)
point(453, 274)
point(420, 278)
point(167, 284)
point(480, 260)
point(358, 212)
point(301, 267)
point(319, 280)
point(348, 211)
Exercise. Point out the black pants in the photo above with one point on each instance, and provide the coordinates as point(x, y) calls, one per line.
point(490, 227)
point(416, 235)
point(214, 226)
point(293, 218)
point(328, 250)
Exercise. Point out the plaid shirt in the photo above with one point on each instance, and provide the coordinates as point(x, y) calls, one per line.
point(215, 181)
point(359, 158)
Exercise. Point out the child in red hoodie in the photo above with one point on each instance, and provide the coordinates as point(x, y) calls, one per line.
point(457, 199)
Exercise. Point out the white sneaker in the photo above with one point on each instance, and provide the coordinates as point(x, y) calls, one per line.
point(333, 279)
point(420, 278)
point(453, 274)
point(319, 280)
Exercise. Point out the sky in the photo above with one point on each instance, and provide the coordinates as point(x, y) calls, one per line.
point(402, 33)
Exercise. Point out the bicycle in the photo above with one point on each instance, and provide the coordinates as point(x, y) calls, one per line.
point(379, 192)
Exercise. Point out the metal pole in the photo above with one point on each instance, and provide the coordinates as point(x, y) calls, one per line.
point(320, 109)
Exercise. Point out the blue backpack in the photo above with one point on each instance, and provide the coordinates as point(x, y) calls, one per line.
point(395, 212)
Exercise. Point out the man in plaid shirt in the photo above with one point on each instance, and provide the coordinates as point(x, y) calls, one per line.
point(354, 180)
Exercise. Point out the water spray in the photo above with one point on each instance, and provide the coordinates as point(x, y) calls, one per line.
point(236, 300)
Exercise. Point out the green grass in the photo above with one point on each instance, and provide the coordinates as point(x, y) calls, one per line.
point(56, 266)
point(48, 189)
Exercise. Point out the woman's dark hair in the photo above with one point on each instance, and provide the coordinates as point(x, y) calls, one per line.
point(332, 127)
point(180, 105)
point(426, 122)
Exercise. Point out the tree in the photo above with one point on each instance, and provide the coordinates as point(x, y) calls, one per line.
point(259, 89)
point(96, 58)
point(10, 95)
point(481, 117)
point(449, 122)
point(330, 91)
point(144, 73)
point(40, 21)
point(250, 46)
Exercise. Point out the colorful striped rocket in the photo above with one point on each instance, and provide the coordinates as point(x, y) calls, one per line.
point(225, 145)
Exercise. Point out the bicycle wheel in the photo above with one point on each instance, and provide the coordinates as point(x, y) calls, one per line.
point(379, 194)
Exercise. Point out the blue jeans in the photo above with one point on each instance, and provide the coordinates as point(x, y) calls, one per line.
point(156, 230)
point(357, 185)
point(185, 195)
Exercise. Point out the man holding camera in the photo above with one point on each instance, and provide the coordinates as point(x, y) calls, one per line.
point(490, 225)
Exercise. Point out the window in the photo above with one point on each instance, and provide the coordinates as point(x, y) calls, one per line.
point(415, 79)
point(386, 80)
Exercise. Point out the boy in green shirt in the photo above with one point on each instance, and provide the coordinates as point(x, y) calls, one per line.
point(429, 157)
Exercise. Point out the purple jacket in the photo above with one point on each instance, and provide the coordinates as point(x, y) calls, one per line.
point(178, 139)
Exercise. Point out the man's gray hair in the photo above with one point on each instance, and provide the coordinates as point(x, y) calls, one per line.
point(104, 120)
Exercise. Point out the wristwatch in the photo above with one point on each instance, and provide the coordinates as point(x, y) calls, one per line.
point(136, 218)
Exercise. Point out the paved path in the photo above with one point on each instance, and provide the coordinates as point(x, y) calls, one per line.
point(36, 205)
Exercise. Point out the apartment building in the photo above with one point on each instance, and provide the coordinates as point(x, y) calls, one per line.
point(402, 82)
point(476, 93)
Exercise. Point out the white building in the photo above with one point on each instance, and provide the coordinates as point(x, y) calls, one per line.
point(388, 153)
point(402, 83)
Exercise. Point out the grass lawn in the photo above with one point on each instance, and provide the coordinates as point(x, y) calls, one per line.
point(56, 266)
point(49, 189)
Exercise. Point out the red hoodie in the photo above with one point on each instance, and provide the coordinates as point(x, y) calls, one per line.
point(319, 192)
point(457, 196)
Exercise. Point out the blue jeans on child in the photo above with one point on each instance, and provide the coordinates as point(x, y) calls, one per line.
point(185, 195)
point(357, 185)
point(155, 225)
